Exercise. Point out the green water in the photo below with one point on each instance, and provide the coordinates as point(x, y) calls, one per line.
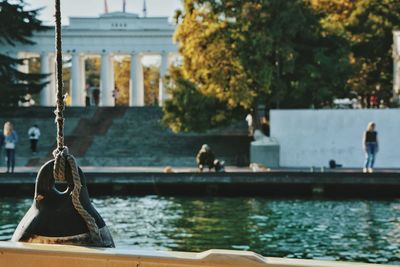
point(349, 230)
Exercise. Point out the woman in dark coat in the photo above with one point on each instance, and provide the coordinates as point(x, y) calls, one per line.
point(205, 157)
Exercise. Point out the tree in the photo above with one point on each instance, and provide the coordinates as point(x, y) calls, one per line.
point(122, 75)
point(368, 27)
point(209, 58)
point(272, 52)
point(294, 62)
point(17, 26)
point(92, 71)
point(151, 78)
point(190, 110)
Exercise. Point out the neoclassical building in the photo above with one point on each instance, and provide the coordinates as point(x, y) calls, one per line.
point(110, 34)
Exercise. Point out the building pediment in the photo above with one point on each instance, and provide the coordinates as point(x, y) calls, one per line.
point(119, 14)
point(119, 21)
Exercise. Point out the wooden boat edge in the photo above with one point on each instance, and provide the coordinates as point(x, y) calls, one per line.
point(15, 254)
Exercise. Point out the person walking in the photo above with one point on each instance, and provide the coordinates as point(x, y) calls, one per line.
point(250, 124)
point(10, 142)
point(34, 134)
point(370, 143)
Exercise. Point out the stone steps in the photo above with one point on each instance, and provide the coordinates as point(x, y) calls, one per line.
point(82, 137)
point(142, 140)
point(123, 137)
point(23, 119)
point(156, 160)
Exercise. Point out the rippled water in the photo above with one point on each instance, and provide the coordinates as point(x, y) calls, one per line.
point(351, 230)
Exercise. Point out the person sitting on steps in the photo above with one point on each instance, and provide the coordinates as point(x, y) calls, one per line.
point(205, 157)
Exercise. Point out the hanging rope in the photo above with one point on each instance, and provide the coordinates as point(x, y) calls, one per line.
point(89, 220)
point(60, 97)
point(61, 154)
point(59, 164)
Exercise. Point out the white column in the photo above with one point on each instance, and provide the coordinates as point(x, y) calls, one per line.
point(53, 78)
point(76, 90)
point(162, 95)
point(140, 81)
point(82, 80)
point(136, 92)
point(396, 66)
point(111, 82)
point(396, 74)
point(44, 69)
point(106, 89)
point(133, 95)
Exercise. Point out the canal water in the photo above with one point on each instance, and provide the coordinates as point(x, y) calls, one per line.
point(348, 230)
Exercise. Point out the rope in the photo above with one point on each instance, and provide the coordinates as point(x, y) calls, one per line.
point(60, 97)
point(59, 165)
point(61, 153)
point(89, 220)
point(63, 158)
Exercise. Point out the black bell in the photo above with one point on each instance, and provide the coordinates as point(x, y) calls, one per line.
point(54, 218)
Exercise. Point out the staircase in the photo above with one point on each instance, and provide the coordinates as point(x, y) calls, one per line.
point(121, 136)
point(139, 139)
point(91, 122)
point(23, 118)
point(87, 129)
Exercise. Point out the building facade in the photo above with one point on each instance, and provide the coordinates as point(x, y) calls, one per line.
point(106, 36)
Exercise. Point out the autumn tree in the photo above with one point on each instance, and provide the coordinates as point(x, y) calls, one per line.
point(92, 71)
point(368, 27)
point(272, 52)
point(294, 62)
point(122, 75)
point(188, 109)
point(151, 77)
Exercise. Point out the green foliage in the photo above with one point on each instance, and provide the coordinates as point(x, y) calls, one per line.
point(190, 110)
point(151, 80)
point(368, 26)
point(92, 71)
point(15, 84)
point(271, 52)
point(294, 63)
point(209, 60)
point(122, 76)
point(17, 26)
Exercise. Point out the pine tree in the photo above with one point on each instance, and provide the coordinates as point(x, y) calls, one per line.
point(17, 25)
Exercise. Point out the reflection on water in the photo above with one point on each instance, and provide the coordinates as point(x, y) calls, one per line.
point(351, 230)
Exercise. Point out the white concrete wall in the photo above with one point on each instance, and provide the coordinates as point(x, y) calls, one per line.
point(313, 137)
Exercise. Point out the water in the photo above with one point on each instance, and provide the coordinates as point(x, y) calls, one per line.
point(349, 230)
